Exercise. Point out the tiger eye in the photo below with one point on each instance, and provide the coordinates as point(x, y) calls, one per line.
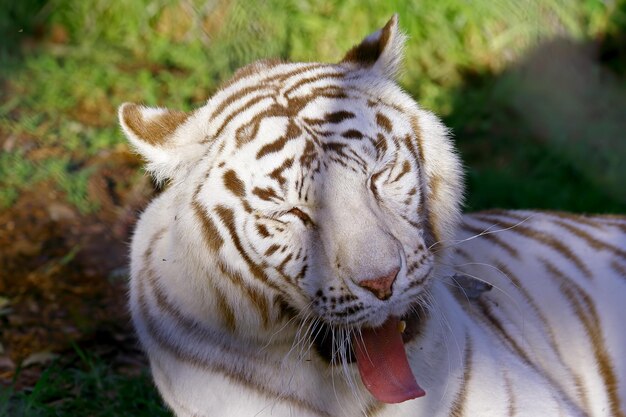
point(306, 219)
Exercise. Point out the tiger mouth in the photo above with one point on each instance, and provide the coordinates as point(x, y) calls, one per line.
point(335, 350)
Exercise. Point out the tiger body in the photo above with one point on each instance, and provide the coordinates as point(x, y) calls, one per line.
point(311, 203)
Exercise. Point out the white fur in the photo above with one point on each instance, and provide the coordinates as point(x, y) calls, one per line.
point(209, 362)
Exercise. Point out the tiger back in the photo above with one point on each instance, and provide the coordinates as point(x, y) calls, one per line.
point(308, 257)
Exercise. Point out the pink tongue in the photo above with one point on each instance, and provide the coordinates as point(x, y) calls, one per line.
point(383, 365)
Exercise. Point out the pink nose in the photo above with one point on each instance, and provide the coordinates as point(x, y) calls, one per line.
point(381, 287)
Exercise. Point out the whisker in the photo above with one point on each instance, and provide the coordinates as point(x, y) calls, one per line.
point(444, 323)
point(489, 283)
point(515, 302)
point(489, 266)
point(487, 231)
point(284, 326)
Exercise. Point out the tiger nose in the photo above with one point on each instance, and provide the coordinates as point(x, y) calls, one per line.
point(381, 287)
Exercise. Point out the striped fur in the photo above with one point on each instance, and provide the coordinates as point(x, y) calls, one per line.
point(299, 183)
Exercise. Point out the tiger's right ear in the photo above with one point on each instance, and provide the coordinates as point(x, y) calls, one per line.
point(381, 52)
point(165, 138)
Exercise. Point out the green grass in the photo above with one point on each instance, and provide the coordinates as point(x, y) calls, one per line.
point(165, 52)
point(88, 388)
point(67, 64)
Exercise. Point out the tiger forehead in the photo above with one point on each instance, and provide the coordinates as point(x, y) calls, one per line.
point(287, 123)
point(360, 124)
point(308, 92)
point(359, 130)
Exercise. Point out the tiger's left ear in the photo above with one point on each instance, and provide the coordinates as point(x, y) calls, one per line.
point(168, 140)
point(381, 52)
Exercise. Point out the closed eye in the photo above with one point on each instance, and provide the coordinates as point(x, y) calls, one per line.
point(372, 184)
point(306, 219)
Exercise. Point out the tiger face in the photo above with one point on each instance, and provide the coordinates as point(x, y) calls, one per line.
point(328, 204)
point(324, 185)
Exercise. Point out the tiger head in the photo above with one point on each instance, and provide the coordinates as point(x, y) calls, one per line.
point(324, 185)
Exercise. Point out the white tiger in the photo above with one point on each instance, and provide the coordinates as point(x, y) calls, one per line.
point(309, 259)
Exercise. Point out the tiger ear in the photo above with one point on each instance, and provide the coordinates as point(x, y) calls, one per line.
point(381, 51)
point(165, 138)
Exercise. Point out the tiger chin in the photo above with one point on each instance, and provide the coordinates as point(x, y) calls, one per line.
point(308, 258)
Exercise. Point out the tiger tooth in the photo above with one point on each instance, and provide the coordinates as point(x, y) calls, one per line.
point(402, 326)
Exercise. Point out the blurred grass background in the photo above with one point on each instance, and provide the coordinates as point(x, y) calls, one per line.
point(534, 92)
point(536, 107)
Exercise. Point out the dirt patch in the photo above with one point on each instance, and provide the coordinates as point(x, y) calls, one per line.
point(63, 274)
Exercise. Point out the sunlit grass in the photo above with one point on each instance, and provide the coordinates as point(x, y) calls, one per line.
point(172, 53)
point(64, 92)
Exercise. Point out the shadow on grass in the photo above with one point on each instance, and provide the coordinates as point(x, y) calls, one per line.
point(83, 384)
point(20, 19)
point(547, 133)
